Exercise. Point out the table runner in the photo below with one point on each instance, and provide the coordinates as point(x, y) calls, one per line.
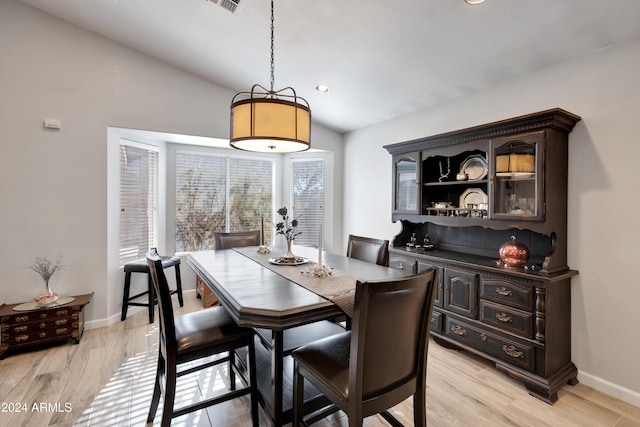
point(338, 288)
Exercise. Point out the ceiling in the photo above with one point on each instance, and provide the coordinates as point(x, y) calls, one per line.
point(381, 59)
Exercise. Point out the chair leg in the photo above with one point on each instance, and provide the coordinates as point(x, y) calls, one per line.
point(420, 408)
point(232, 373)
point(155, 399)
point(179, 285)
point(125, 295)
point(253, 382)
point(152, 298)
point(298, 396)
point(169, 395)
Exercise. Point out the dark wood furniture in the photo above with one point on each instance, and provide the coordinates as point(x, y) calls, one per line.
point(141, 266)
point(191, 339)
point(379, 363)
point(520, 318)
point(368, 249)
point(258, 297)
point(41, 327)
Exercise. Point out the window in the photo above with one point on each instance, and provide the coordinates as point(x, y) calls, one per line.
point(138, 200)
point(218, 193)
point(307, 196)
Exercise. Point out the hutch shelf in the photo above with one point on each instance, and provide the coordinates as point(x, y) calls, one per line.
point(459, 196)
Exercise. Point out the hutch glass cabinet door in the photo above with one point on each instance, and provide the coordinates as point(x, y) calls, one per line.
point(518, 192)
point(406, 194)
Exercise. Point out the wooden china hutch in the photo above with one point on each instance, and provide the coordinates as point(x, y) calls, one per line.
point(459, 196)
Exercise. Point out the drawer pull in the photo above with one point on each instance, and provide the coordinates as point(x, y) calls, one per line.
point(456, 329)
point(20, 319)
point(22, 338)
point(483, 336)
point(62, 331)
point(61, 322)
point(62, 312)
point(503, 317)
point(504, 291)
point(43, 316)
point(43, 334)
point(401, 266)
point(512, 351)
point(20, 329)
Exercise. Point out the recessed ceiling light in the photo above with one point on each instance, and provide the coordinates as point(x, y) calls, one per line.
point(322, 88)
point(474, 1)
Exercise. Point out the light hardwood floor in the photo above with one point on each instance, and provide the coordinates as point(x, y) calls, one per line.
point(107, 381)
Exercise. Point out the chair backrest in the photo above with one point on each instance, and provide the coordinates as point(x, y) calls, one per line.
point(367, 249)
point(389, 340)
point(237, 239)
point(168, 343)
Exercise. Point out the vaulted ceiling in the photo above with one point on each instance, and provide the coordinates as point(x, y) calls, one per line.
point(381, 59)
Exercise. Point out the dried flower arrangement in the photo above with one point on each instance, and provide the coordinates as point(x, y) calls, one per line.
point(43, 267)
point(46, 269)
point(285, 227)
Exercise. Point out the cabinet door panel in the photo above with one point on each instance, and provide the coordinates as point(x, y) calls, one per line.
point(517, 168)
point(406, 184)
point(460, 290)
point(438, 299)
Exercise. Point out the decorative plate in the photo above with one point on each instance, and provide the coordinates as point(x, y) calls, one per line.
point(296, 260)
point(475, 167)
point(473, 196)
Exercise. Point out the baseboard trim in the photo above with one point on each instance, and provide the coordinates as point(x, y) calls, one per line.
point(630, 396)
point(115, 317)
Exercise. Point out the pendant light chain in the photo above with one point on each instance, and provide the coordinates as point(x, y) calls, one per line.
point(267, 121)
point(272, 54)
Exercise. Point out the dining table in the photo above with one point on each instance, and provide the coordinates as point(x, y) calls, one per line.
point(287, 305)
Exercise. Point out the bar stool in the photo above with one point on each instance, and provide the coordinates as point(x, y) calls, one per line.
point(141, 266)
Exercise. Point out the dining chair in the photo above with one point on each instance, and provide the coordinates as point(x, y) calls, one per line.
point(236, 239)
point(368, 249)
point(380, 362)
point(189, 339)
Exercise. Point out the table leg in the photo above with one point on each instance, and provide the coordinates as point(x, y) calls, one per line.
point(277, 366)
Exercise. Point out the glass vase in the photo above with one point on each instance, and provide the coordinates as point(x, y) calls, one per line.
point(46, 297)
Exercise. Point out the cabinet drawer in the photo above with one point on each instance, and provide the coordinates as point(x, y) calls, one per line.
point(508, 350)
point(34, 316)
point(508, 319)
point(36, 337)
point(508, 293)
point(436, 321)
point(44, 325)
point(400, 263)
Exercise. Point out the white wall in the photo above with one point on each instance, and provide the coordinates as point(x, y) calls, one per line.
point(604, 196)
point(54, 195)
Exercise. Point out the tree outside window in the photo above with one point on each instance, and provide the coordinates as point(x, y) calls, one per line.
point(218, 194)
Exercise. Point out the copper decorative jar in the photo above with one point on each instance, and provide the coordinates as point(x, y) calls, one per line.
point(514, 253)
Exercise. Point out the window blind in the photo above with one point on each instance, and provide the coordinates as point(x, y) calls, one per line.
point(308, 199)
point(220, 193)
point(138, 201)
point(251, 195)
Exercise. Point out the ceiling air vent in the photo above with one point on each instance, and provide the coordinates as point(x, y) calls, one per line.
point(230, 5)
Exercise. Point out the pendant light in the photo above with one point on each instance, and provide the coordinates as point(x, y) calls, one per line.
point(270, 121)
